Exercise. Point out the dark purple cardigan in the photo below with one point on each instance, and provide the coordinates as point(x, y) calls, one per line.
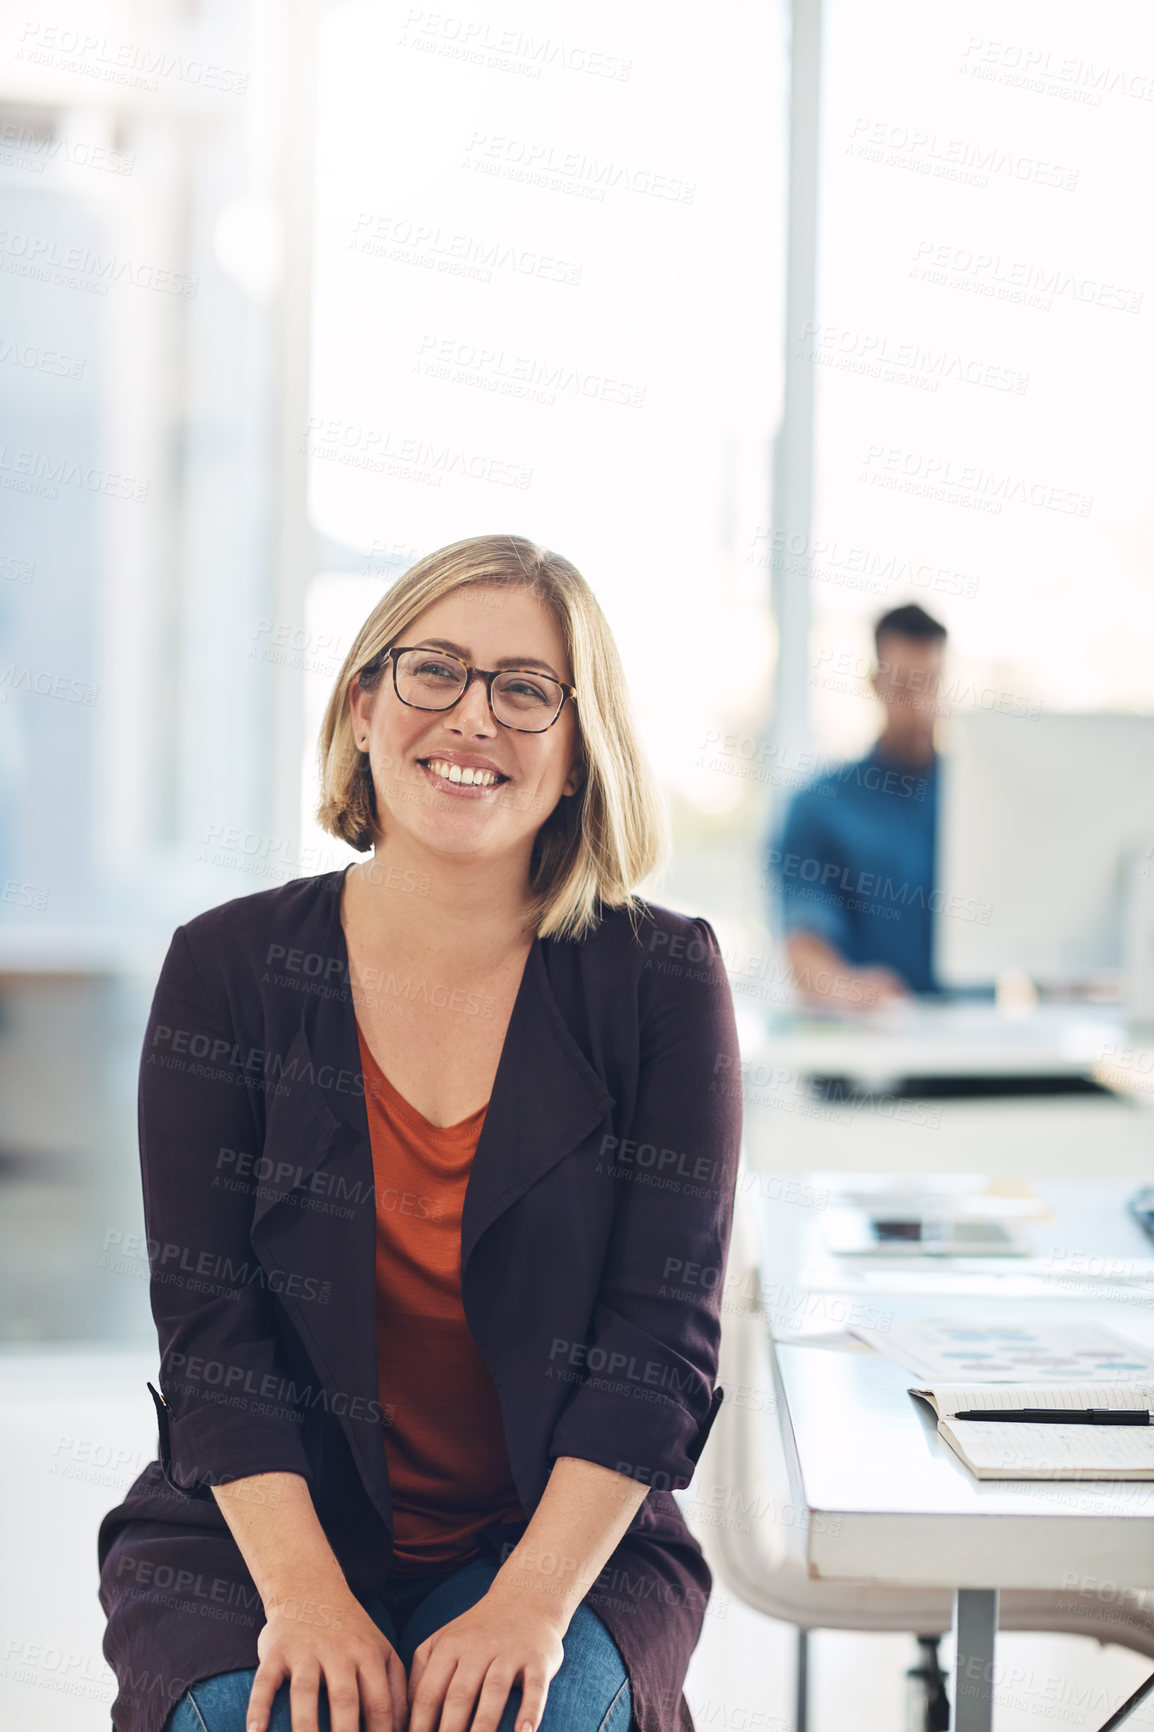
point(593, 1245)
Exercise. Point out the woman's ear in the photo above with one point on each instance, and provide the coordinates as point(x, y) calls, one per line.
point(361, 706)
point(576, 775)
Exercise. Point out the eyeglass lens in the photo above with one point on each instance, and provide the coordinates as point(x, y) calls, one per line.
point(433, 682)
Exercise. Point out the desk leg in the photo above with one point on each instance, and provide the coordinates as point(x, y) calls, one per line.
point(801, 1710)
point(976, 1623)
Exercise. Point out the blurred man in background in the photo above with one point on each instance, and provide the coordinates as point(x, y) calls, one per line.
point(854, 866)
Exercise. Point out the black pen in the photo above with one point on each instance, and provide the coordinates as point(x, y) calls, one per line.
point(1059, 1416)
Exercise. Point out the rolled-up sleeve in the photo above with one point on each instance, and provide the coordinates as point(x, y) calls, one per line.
point(229, 1406)
point(648, 1397)
point(800, 865)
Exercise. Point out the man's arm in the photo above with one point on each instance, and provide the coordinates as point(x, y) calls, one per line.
point(822, 974)
point(815, 926)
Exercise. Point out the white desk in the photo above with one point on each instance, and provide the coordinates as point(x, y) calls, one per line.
point(1021, 1133)
point(901, 1510)
point(889, 1503)
point(922, 1037)
point(1086, 1248)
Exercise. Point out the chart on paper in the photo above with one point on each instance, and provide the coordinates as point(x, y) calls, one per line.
point(998, 1352)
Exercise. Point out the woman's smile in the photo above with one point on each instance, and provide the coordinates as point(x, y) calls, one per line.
point(475, 779)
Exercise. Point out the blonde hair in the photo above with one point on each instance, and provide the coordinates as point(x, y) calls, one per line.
point(597, 844)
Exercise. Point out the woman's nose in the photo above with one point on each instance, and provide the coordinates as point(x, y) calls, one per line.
point(472, 708)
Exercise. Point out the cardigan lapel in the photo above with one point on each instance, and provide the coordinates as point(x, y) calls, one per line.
point(546, 1095)
point(546, 1099)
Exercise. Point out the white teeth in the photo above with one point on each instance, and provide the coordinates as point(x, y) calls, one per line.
point(468, 776)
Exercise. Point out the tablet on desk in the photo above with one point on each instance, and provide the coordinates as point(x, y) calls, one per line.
point(885, 1233)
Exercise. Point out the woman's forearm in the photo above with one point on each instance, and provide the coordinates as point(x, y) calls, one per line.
point(584, 1510)
point(273, 1521)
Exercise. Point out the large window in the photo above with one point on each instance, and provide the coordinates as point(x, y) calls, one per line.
point(981, 344)
point(547, 300)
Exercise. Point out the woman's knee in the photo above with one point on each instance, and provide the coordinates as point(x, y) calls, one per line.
point(584, 1711)
point(220, 1704)
point(590, 1692)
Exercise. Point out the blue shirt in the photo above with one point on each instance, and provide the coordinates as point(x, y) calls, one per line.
point(854, 864)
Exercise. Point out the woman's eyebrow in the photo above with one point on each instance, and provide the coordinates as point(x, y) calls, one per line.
point(504, 662)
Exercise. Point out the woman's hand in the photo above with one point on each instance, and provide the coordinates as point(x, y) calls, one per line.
point(336, 1641)
point(461, 1676)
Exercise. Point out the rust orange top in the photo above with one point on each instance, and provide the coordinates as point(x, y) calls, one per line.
point(445, 1443)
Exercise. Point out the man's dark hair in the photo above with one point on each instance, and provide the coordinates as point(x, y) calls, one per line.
point(908, 621)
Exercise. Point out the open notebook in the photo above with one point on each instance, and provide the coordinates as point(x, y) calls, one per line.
point(997, 1449)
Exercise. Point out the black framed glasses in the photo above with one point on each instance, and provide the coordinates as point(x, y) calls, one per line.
point(523, 699)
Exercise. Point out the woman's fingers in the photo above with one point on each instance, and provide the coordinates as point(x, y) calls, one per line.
point(344, 1693)
point(304, 1687)
point(499, 1680)
point(460, 1684)
point(534, 1694)
point(420, 1659)
point(385, 1703)
point(427, 1692)
point(269, 1676)
point(418, 1666)
point(459, 1699)
point(399, 1685)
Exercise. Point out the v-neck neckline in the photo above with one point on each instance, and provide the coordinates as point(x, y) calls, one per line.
point(405, 1107)
point(340, 874)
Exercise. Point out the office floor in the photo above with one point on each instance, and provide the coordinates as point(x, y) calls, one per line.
point(76, 1426)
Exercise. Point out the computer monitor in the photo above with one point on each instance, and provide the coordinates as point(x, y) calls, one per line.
point(1043, 829)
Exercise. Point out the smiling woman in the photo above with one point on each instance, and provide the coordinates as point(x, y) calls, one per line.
point(527, 609)
point(442, 1500)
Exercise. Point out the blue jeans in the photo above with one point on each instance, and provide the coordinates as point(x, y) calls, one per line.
point(589, 1692)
